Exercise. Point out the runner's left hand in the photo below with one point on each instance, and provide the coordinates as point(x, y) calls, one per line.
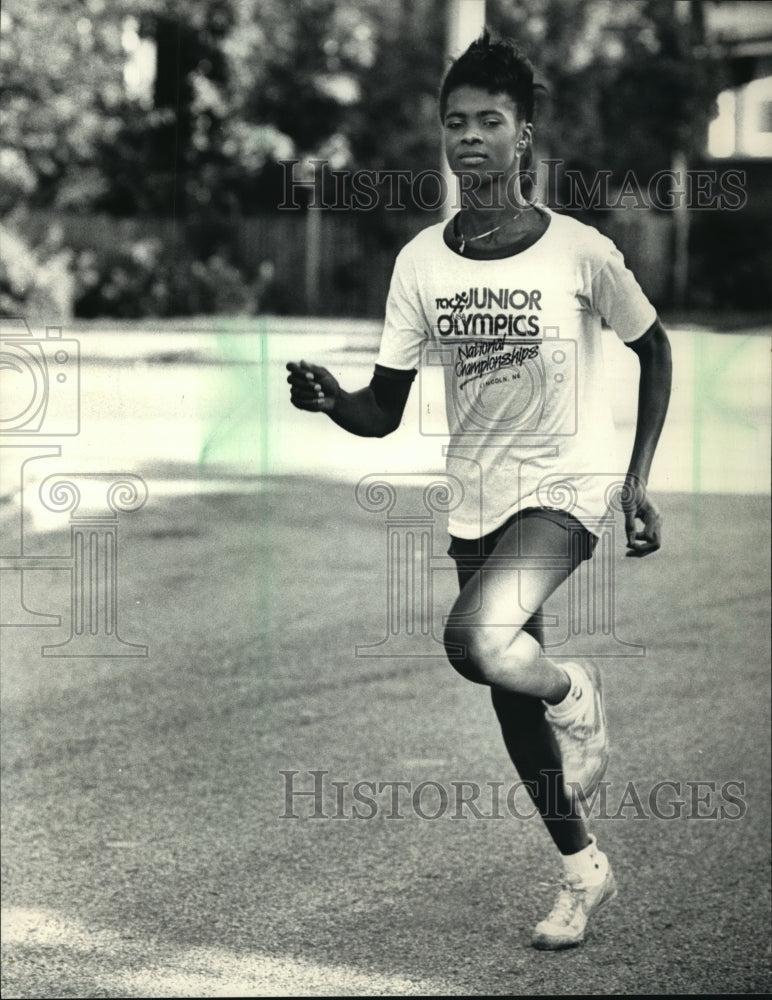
point(640, 507)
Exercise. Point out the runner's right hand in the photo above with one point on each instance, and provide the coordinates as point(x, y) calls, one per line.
point(312, 387)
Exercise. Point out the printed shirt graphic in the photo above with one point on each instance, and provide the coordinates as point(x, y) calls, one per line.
point(520, 343)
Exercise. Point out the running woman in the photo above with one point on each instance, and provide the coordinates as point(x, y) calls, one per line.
point(512, 296)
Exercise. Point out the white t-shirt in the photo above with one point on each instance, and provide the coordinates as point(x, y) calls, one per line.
point(519, 339)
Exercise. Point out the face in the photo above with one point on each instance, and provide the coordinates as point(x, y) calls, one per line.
point(481, 134)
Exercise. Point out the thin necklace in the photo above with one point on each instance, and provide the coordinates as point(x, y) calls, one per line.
point(490, 232)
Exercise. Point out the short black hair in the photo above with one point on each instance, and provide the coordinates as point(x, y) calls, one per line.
point(496, 66)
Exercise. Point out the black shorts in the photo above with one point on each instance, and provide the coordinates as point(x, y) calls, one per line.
point(471, 554)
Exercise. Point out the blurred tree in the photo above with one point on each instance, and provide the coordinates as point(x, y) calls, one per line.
point(231, 87)
point(395, 125)
point(297, 74)
point(240, 84)
point(62, 66)
point(630, 83)
point(76, 137)
point(353, 83)
point(167, 157)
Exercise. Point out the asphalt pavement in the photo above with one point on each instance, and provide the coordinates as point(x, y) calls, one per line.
point(271, 802)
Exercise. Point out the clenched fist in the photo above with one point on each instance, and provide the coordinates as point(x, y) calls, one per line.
point(312, 388)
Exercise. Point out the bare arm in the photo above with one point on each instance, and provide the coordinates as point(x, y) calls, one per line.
point(373, 411)
point(653, 350)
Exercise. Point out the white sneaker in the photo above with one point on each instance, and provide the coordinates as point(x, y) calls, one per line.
point(577, 901)
point(582, 736)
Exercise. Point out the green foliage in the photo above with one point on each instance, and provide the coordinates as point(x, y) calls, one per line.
point(151, 278)
point(34, 282)
point(73, 136)
point(62, 66)
point(395, 125)
point(242, 84)
point(629, 83)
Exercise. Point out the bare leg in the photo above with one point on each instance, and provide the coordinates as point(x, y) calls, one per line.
point(508, 657)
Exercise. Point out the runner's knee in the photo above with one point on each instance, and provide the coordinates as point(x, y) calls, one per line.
point(482, 653)
point(462, 652)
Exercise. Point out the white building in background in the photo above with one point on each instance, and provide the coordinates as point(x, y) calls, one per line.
point(741, 32)
point(743, 126)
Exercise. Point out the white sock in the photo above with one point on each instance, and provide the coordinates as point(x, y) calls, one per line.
point(571, 702)
point(589, 864)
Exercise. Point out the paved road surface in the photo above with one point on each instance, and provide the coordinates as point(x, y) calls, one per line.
point(144, 848)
